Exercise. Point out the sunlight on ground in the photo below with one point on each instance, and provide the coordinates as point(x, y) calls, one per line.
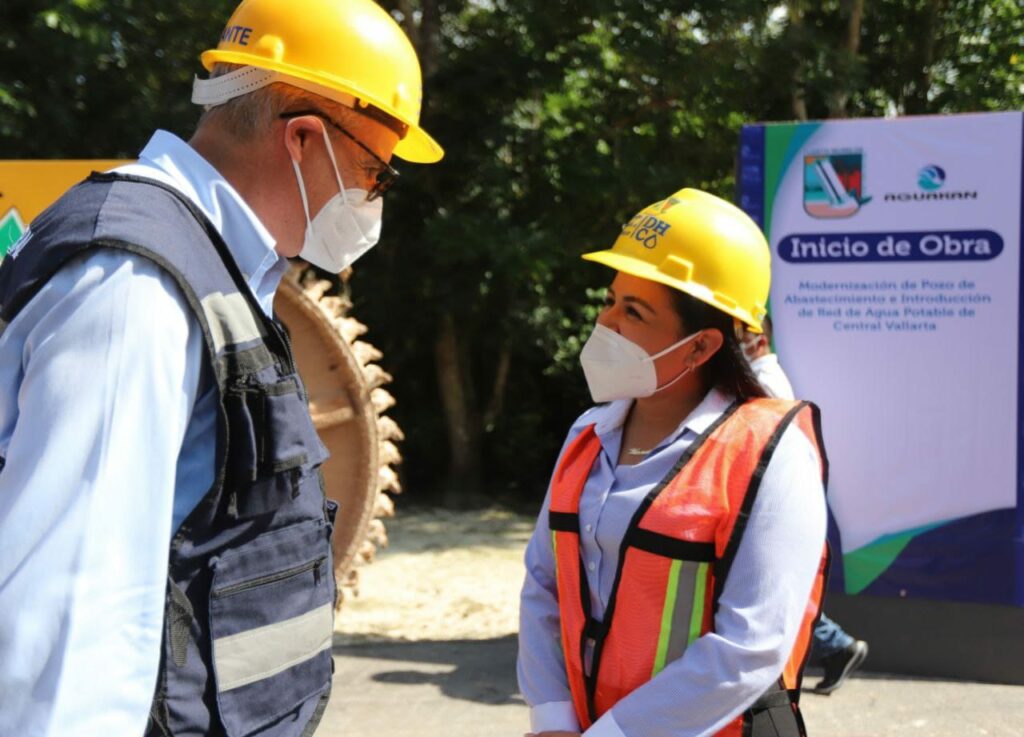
point(446, 576)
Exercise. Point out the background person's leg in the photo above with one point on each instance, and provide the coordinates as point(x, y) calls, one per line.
point(837, 652)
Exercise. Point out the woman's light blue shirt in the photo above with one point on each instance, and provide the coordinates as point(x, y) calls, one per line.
point(760, 610)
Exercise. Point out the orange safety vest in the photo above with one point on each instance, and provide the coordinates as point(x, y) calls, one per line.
point(674, 561)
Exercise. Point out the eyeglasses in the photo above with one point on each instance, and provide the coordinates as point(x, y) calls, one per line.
point(386, 175)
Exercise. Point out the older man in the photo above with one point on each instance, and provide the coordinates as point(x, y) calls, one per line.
point(165, 559)
point(837, 652)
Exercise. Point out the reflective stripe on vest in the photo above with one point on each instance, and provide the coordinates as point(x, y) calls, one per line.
point(675, 555)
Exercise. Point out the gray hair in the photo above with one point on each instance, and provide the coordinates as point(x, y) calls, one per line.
point(253, 113)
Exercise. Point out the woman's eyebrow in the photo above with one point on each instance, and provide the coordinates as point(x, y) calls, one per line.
point(637, 300)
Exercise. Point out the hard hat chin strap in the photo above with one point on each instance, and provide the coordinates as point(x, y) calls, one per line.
point(218, 90)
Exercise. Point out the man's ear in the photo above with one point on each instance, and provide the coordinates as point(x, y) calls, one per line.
point(299, 134)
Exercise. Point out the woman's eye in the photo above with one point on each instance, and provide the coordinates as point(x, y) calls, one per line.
point(634, 313)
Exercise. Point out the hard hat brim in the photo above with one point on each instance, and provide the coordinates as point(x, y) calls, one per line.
point(645, 270)
point(418, 147)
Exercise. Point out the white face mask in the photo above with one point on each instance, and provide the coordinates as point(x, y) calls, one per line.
point(345, 228)
point(748, 348)
point(617, 368)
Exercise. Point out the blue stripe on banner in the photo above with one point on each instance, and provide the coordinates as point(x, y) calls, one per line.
point(1019, 536)
point(750, 177)
point(971, 559)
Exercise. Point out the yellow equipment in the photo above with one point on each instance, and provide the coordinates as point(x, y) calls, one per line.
point(29, 187)
point(350, 51)
point(701, 245)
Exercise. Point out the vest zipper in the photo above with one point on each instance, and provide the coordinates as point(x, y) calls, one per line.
point(286, 343)
point(272, 578)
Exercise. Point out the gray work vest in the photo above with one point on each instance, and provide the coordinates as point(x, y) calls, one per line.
point(250, 594)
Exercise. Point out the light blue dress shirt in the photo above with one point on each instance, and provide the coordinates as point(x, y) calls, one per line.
point(107, 420)
point(760, 611)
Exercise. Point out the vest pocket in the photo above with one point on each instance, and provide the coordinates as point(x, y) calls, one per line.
point(290, 433)
point(272, 443)
point(271, 623)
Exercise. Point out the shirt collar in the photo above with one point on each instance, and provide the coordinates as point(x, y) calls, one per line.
point(172, 160)
point(608, 420)
point(714, 404)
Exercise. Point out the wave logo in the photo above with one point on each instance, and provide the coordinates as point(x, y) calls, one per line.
point(931, 178)
point(834, 184)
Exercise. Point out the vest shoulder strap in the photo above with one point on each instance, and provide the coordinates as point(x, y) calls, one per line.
point(795, 411)
point(570, 476)
point(153, 220)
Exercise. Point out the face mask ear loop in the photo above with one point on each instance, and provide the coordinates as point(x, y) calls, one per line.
point(682, 373)
point(302, 191)
point(680, 344)
point(334, 163)
point(671, 348)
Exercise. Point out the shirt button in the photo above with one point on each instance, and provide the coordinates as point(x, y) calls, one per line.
point(592, 565)
point(589, 528)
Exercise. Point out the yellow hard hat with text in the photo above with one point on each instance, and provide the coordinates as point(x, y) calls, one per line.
point(701, 245)
point(339, 48)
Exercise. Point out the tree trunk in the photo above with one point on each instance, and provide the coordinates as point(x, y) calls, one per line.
point(408, 22)
point(425, 34)
point(853, 25)
point(796, 31)
point(840, 95)
point(917, 99)
point(430, 37)
point(497, 401)
point(461, 416)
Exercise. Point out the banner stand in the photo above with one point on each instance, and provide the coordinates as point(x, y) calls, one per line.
point(938, 639)
point(898, 306)
point(1018, 540)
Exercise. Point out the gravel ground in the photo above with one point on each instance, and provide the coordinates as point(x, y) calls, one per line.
point(428, 648)
point(445, 576)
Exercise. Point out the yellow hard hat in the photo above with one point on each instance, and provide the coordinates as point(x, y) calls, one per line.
point(701, 245)
point(350, 51)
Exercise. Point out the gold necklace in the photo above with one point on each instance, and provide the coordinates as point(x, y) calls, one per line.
point(638, 451)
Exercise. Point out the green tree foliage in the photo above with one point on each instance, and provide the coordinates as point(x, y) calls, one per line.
point(560, 119)
point(93, 78)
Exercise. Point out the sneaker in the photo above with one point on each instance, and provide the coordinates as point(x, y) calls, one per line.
point(840, 665)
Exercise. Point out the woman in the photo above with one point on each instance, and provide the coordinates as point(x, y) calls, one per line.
point(677, 565)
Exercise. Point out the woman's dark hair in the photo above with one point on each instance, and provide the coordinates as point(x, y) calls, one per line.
point(728, 369)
